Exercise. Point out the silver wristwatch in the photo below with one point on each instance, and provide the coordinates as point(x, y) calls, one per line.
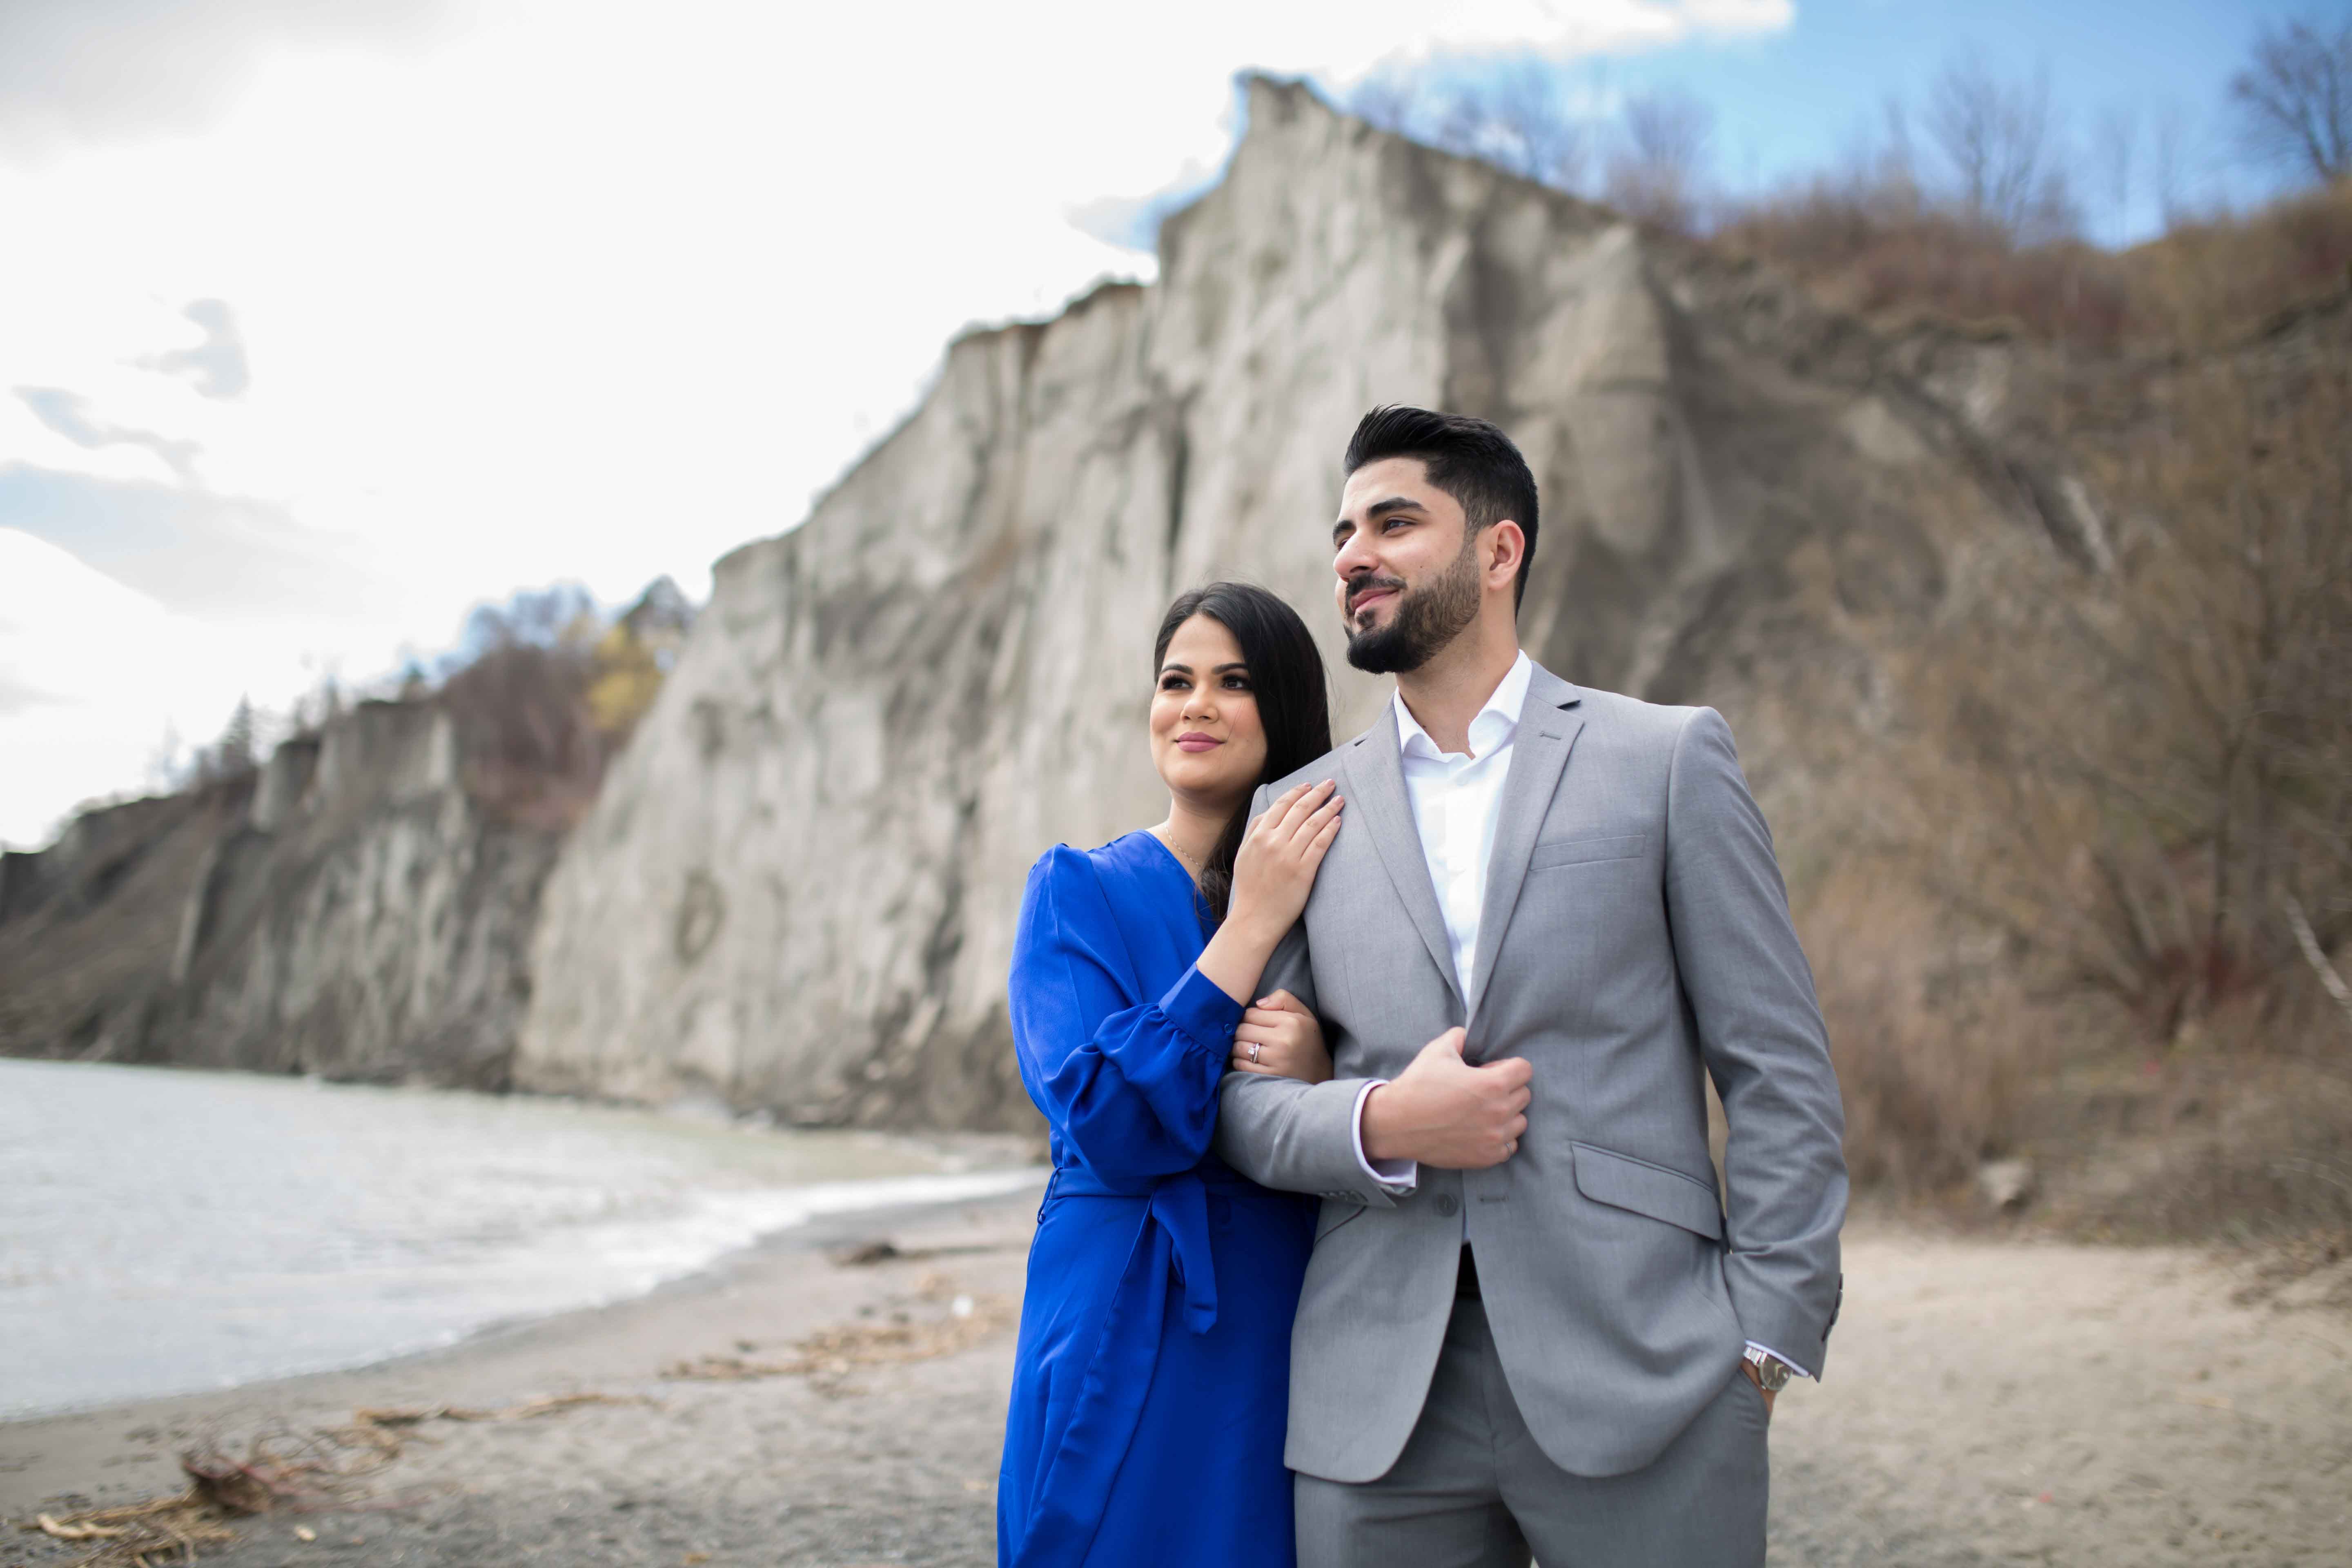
point(1773, 1374)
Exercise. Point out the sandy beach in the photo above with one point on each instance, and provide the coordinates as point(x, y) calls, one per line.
point(1990, 1402)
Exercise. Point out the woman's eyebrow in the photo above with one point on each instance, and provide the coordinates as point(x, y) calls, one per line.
point(1222, 667)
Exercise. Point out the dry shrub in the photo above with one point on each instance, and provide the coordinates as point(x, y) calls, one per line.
point(2143, 776)
point(2255, 1141)
point(1929, 1034)
point(1871, 250)
point(1872, 247)
point(2126, 795)
point(2208, 281)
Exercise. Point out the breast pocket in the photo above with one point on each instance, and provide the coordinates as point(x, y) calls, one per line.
point(1584, 851)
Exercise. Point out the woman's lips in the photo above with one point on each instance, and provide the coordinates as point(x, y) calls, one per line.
point(1194, 740)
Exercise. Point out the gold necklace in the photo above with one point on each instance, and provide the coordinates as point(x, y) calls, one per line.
point(1168, 842)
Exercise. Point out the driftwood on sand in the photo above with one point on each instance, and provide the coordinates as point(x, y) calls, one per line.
point(281, 1472)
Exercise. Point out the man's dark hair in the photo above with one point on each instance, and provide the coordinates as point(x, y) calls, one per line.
point(1469, 459)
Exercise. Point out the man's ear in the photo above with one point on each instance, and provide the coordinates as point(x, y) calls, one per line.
point(1510, 551)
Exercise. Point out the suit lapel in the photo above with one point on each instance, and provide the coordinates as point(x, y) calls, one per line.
point(1376, 797)
point(1548, 725)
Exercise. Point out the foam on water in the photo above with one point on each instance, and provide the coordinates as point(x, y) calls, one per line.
point(166, 1232)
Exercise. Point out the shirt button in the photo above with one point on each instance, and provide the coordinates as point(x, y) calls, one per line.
point(1446, 1206)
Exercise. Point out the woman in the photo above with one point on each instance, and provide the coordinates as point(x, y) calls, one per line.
point(1151, 1386)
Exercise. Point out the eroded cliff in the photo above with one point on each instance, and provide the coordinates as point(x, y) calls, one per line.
point(798, 888)
point(349, 909)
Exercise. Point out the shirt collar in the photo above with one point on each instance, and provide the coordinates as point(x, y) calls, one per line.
point(1495, 723)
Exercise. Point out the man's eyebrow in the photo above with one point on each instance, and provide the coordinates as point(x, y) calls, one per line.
point(1378, 510)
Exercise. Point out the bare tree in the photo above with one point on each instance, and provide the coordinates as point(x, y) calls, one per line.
point(2294, 100)
point(1659, 171)
point(2000, 138)
point(1528, 115)
point(1513, 114)
point(1386, 101)
point(2169, 166)
point(233, 755)
point(2115, 152)
point(2176, 792)
point(240, 739)
point(1897, 165)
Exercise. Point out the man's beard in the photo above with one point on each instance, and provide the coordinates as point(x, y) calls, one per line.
point(1424, 620)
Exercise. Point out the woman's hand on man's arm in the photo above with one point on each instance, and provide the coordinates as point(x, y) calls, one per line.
point(1279, 1037)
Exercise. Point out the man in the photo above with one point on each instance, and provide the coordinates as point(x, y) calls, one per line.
point(1528, 1322)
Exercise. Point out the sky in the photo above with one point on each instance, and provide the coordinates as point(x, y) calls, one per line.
point(323, 321)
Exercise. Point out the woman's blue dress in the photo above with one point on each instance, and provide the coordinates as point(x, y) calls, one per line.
point(1152, 1385)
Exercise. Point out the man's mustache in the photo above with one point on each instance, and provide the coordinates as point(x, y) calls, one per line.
point(1363, 586)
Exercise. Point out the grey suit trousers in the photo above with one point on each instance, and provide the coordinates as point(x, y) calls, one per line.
point(1472, 1489)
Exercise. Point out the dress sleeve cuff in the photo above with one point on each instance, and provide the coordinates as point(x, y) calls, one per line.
point(1202, 1013)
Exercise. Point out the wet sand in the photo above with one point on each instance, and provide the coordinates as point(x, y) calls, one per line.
point(1988, 1402)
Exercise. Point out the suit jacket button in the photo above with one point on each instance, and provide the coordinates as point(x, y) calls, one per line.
point(1446, 1204)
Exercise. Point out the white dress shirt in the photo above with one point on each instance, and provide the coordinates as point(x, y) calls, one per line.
point(1456, 797)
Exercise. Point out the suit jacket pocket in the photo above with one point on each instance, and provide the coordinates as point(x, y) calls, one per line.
point(1582, 851)
point(1623, 1181)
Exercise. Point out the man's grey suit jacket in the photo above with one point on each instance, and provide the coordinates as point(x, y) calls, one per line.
point(1635, 933)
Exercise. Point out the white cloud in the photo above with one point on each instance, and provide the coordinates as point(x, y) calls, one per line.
point(92, 676)
point(83, 71)
point(593, 289)
point(216, 366)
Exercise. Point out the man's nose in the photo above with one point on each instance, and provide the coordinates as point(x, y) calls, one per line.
point(1355, 558)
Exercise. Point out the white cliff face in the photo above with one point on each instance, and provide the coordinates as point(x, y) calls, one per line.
point(349, 909)
point(799, 885)
point(369, 920)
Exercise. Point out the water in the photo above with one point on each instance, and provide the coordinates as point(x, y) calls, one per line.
point(166, 1232)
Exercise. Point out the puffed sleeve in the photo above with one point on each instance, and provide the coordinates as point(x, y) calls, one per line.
point(1130, 1082)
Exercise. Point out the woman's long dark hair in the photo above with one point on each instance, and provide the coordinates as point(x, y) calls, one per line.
point(1294, 702)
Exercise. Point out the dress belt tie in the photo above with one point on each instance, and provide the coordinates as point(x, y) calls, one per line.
point(1179, 1205)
